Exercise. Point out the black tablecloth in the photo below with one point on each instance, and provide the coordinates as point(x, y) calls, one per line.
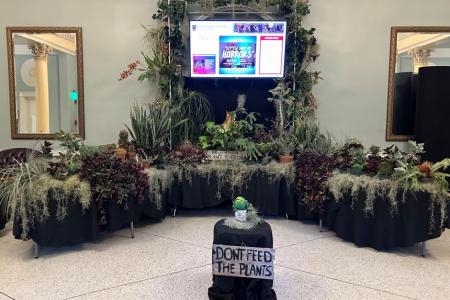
point(77, 227)
point(448, 215)
point(383, 230)
point(269, 196)
point(2, 220)
point(242, 288)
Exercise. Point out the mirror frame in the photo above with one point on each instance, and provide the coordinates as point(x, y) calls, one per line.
point(12, 85)
point(390, 136)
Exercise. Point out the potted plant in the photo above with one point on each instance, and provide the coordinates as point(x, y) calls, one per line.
point(286, 145)
point(145, 160)
point(120, 153)
point(230, 140)
point(122, 145)
point(240, 206)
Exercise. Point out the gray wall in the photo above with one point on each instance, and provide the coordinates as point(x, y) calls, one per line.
point(112, 38)
point(354, 38)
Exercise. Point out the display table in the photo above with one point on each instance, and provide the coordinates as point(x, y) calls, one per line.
point(242, 288)
point(269, 188)
point(384, 230)
point(79, 227)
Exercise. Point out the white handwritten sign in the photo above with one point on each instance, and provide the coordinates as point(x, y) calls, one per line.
point(240, 261)
point(225, 155)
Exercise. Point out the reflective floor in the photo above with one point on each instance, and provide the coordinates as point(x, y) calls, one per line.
point(171, 260)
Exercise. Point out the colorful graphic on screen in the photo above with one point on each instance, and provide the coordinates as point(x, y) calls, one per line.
point(237, 49)
point(237, 55)
point(204, 64)
point(258, 27)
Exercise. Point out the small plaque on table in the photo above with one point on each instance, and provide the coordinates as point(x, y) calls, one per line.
point(216, 155)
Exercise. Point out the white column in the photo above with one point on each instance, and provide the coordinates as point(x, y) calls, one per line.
point(40, 53)
point(420, 57)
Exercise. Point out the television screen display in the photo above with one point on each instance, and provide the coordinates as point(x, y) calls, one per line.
point(237, 48)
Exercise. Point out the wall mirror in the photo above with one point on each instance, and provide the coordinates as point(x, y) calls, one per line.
point(412, 48)
point(45, 81)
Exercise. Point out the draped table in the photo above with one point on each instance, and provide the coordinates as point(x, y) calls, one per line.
point(242, 288)
point(416, 220)
point(83, 226)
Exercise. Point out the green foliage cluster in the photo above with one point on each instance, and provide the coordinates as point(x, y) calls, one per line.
point(235, 136)
point(309, 138)
point(411, 176)
point(377, 172)
point(389, 173)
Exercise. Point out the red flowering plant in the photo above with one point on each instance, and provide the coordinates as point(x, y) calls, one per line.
point(313, 171)
point(129, 71)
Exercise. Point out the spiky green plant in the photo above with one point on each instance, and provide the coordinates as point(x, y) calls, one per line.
point(309, 137)
point(16, 181)
point(196, 110)
point(152, 125)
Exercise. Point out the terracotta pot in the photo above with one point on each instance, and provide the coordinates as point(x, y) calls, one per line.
point(120, 153)
point(286, 158)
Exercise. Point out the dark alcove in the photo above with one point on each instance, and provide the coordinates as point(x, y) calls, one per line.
point(223, 93)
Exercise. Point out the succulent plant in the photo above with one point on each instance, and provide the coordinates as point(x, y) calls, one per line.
point(240, 203)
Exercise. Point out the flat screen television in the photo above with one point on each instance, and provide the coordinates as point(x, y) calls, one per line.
point(237, 49)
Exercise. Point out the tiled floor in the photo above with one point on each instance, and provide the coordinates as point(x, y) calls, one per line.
point(171, 260)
